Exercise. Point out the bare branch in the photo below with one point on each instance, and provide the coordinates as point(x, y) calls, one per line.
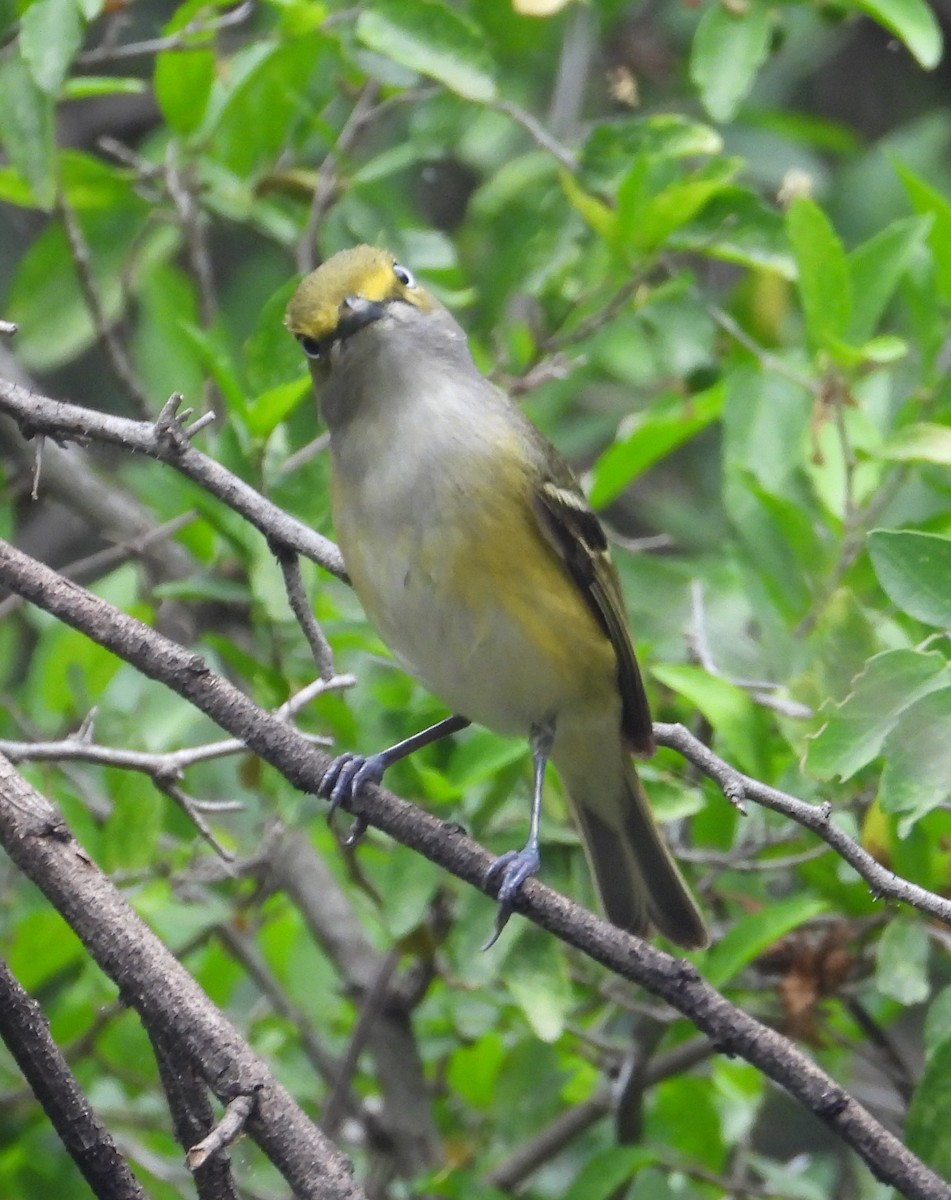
point(539, 134)
point(325, 186)
point(165, 995)
point(224, 1134)
point(815, 817)
point(167, 441)
point(95, 565)
point(675, 980)
point(301, 607)
point(26, 1032)
point(187, 36)
point(115, 352)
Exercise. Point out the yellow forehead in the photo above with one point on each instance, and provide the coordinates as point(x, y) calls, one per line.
point(364, 271)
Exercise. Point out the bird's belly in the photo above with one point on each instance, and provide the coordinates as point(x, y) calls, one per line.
point(486, 619)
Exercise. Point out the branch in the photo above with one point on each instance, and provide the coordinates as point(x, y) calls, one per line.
point(675, 980)
point(192, 1117)
point(155, 983)
point(26, 1032)
point(815, 817)
point(227, 1131)
point(105, 331)
point(167, 441)
point(192, 34)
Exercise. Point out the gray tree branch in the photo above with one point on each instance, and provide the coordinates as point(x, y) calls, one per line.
point(675, 980)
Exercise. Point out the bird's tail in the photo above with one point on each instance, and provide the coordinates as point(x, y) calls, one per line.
point(640, 885)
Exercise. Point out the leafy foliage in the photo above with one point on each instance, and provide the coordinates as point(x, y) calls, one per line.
point(731, 313)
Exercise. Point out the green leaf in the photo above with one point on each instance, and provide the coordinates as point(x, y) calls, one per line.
point(738, 227)
point(537, 977)
point(51, 31)
point(729, 48)
point(594, 212)
point(183, 82)
point(857, 728)
point(434, 40)
point(753, 934)
point(922, 442)
point(14, 189)
point(474, 1070)
point(729, 709)
point(917, 773)
point(914, 569)
point(611, 147)
point(901, 961)
point(926, 200)
point(254, 106)
point(82, 87)
point(46, 295)
point(90, 183)
point(409, 884)
point(655, 433)
point(912, 22)
point(876, 267)
point(929, 1114)
point(213, 353)
point(266, 411)
point(27, 130)
point(824, 284)
point(606, 1171)
point(646, 220)
point(131, 833)
point(938, 1020)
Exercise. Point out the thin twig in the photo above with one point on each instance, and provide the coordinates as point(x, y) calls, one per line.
point(296, 460)
point(300, 606)
point(115, 352)
point(172, 764)
point(539, 134)
point(373, 1001)
point(771, 362)
point(167, 440)
point(93, 566)
point(224, 1134)
point(325, 186)
point(181, 186)
point(815, 817)
point(184, 38)
point(26, 1032)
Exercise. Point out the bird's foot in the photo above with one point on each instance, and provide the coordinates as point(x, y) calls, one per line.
point(514, 867)
point(345, 778)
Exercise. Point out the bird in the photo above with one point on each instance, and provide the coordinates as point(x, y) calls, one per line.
point(475, 554)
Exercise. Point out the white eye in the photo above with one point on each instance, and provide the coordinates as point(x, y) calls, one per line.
point(406, 278)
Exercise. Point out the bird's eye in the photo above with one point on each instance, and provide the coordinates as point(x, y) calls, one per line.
point(406, 278)
point(311, 346)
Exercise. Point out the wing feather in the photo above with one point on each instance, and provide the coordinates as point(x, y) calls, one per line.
point(573, 529)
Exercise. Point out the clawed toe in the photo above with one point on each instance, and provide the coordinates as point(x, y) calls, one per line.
point(345, 777)
point(514, 867)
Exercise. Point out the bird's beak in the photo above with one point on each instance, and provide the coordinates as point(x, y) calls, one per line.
point(355, 312)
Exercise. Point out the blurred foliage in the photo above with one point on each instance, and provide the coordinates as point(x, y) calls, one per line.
point(721, 273)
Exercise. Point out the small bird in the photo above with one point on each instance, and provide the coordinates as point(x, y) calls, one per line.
point(475, 554)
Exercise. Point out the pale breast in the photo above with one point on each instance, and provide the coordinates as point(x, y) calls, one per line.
point(455, 574)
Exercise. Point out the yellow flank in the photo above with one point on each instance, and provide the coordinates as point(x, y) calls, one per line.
point(488, 574)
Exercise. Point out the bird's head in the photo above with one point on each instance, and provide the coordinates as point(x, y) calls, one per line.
point(348, 292)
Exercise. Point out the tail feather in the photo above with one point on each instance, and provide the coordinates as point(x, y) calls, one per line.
point(640, 885)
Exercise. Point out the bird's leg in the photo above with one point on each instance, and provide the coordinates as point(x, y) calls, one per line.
point(348, 773)
point(516, 866)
